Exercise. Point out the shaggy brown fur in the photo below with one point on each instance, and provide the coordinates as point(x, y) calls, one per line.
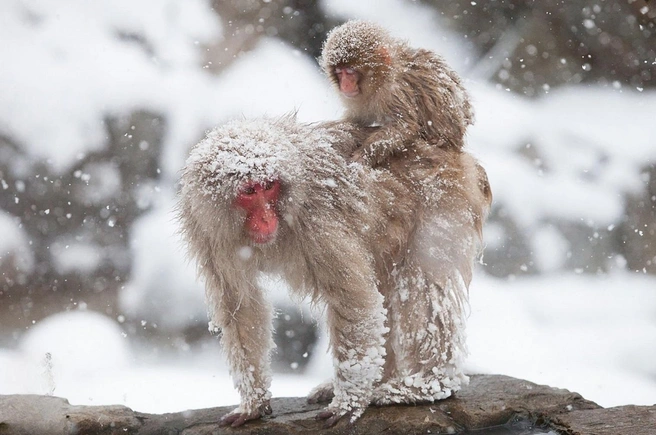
point(411, 93)
point(357, 239)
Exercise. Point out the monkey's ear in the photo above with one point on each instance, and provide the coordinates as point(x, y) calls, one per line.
point(384, 55)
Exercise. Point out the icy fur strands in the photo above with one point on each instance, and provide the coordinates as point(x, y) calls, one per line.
point(388, 251)
point(356, 43)
point(237, 150)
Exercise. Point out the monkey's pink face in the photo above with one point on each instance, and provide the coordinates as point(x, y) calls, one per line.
point(349, 81)
point(260, 201)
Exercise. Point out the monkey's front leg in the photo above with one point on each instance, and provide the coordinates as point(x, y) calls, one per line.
point(245, 318)
point(356, 324)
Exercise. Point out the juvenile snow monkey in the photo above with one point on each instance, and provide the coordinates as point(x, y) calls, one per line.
point(410, 92)
point(389, 257)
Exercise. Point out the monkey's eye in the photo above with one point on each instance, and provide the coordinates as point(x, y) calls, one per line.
point(250, 190)
point(268, 185)
point(344, 69)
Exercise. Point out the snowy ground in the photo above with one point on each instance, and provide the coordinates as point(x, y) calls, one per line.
point(596, 336)
point(593, 334)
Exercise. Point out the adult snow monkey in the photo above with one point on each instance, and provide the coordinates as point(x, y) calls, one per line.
point(390, 258)
point(412, 93)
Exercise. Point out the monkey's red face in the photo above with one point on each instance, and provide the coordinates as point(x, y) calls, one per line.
point(260, 200)
point(349, 81)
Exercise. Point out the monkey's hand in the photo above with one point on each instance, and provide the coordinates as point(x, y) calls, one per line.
point(240, 416)
point(371, 153)
point(332, 416)
point(351, 409)
point(381, 145)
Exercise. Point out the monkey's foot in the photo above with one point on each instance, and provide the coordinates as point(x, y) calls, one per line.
point(332, 416)
point(238, 417)
point(351, 409)
point(415, 389)
point(322, 393)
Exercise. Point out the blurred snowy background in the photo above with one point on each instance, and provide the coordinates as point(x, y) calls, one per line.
point(101, 101)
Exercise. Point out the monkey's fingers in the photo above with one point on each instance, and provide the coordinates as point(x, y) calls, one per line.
point(236, 419)
point(323, 397)
point(331, 417)
point(324, 415)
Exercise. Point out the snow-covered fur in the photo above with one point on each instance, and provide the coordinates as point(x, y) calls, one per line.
point(412, 93)
point(390, 257)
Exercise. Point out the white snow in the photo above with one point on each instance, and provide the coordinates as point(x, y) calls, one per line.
point(65, 67)
point(64, 71)
point(14, 244)
point(63, 349)
point(550, 248)
point(163, 289)
point(102, 182)
point(592, 335)
point(587, 156)
point(69, 255)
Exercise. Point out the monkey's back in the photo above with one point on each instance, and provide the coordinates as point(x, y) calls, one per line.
point(428, 85)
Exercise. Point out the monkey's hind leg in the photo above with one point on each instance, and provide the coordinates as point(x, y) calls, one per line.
point(356, 323)
point(427, 335)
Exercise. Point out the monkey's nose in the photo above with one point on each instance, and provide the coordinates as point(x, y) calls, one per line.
point(264, 228)
point(267, 226)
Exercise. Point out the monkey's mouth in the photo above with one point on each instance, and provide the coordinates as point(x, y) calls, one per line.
point(351, 94)
point(261, 238)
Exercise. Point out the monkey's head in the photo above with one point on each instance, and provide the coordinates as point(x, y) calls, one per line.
point(248, 182)
point(357, 57)
point(238, 180)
